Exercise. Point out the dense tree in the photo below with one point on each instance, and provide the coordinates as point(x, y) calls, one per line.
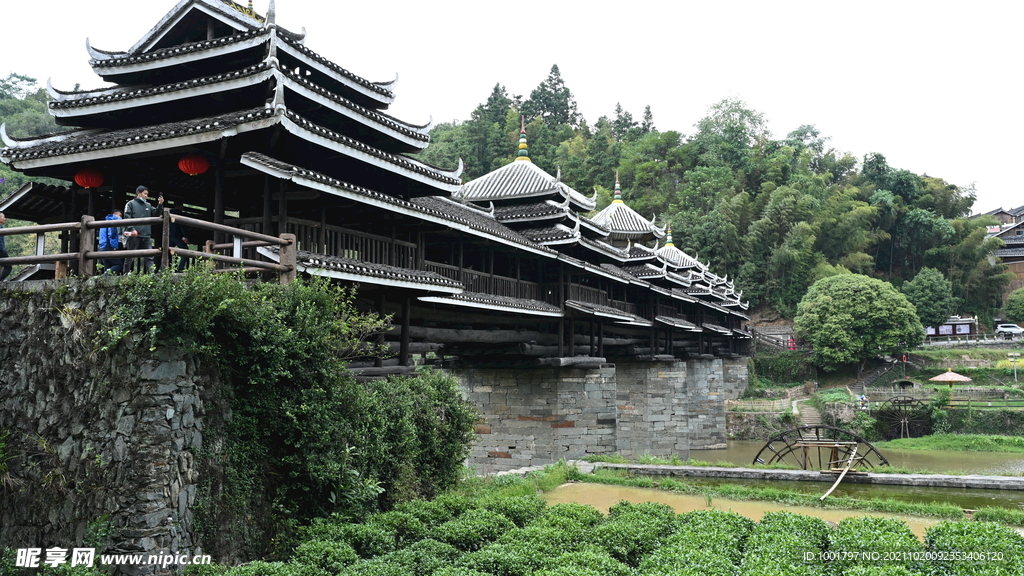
point(932, 295)
point(775, 214)
point(1014, 308)
point(552, 101)
point(851, 318)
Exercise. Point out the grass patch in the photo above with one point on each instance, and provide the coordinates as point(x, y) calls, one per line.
point(787, 497)
point(959, 442)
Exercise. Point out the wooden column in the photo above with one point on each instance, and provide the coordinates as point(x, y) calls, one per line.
point(572, 336)
point(268, 216)
point(282, 209)
point(287, 258)
point(165, 239)
point(403, 349)
point(379, 362)
point(87, 241)
point(218, 199)
point(590, 349)
point(322, 242)
point(561, 337)
point(600, 338)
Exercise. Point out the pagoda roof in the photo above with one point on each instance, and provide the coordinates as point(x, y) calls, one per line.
point(161, 51)
point(397, 171)
point(522, 180)
point(676, 257)
point(366, 272)
point(601, 311)
point(35, 202)
point(496, 303)
point(554, 234)
point(618, 276)
point(678, 323)
point(604, 248)
point(543, 210)
point(639, 253)
point(645, 271)
point(615, 270)
point(436, 210)
point(134, 104)
point(626, 224)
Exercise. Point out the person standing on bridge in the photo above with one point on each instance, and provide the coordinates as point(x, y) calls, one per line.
point(140, 237)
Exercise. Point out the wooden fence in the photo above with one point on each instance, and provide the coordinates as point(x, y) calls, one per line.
point(87, 256)
point(777, 405)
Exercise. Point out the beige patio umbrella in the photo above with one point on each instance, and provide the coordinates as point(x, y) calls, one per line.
point(950, 377)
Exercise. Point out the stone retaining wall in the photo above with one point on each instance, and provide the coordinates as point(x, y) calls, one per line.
point(94, 434)
point(537, 416)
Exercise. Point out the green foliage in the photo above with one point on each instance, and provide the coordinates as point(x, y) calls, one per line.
point(870, 534)
point(472, 530)
point(585, 560)
point(952, 538)
point(852, 318)
point(932, 296)
point(367, 540)
point(503, 559)
point(330, 556)
point(521, 510)
point(782, 367)
point(303, 435)
point(961, 442)
point(406, 527)
point(570, 516)
point(633, 531)
point(1014, 308)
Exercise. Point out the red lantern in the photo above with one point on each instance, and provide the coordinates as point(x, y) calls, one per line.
point(89, 178)
point(193, 164)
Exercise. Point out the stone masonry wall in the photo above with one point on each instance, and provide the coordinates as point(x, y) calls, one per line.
point(540, 415)
point(94, 434)
point(736, 376)
point(534, 416)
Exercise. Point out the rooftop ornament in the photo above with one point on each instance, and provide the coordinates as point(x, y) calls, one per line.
point(193, 164)
point(89, 178)
point(523, 154)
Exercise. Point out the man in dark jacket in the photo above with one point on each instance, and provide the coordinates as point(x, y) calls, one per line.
point(140, 237)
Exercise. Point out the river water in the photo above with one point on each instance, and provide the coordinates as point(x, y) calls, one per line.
point(742, 453)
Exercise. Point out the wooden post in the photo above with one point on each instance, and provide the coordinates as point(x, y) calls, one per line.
point(86, 243)
point(267, 214)
point(572, 336)
point(218, 199)
point(378, 361)
point(323, 232)
point(561, 337)
point(165, 240)
point(600, 338)
point(287, 256)
point(403, 347)
point(590, 350)
point(282, 210)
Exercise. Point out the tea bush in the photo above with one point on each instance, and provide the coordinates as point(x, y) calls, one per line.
point(330, 556)
point(472, 530)
point(521, 510)
point(888, 537)
point(973, 538)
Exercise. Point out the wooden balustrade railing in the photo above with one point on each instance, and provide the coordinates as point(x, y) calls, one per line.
point(87, 255)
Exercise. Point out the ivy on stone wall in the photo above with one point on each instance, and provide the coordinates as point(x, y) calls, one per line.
point(303, 438)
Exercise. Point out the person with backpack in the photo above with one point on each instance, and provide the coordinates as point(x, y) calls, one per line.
point(141, 237)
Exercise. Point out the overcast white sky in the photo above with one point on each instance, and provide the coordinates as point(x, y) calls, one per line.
point(934, 86)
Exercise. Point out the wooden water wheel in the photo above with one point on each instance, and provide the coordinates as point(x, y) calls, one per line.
point(904, 417)
point(819, 448)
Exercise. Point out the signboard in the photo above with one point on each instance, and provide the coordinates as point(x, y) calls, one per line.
point(945, 329)
point(930, 331)
point(963, 328)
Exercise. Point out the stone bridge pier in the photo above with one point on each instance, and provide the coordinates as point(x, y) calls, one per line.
point(531, 416)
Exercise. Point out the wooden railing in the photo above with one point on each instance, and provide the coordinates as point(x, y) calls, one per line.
point(87, 255)
point(486, 283)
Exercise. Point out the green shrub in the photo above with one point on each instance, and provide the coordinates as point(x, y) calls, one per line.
point(627, 538)
point(570, 516)
point(332, 557)
point(521, 510)
point(584, 559)
point(406, 527)
point(974, 538)
point(499, 559)
point(723, 533)
point(472, 530)
point(429, 555)
point(367, 540)
point(882, 571)
point(459, 571)
point(778, 542)
point(682, 560)
point(546, 540)
point(260, 568)
point(429, 513)
point(873, 534)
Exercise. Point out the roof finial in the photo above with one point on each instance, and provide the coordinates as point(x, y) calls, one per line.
point(618, 189)
point(250, 5)
point(668, 238)
point(523, 154)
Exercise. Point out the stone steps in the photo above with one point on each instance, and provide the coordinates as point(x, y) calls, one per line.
point(809, 415)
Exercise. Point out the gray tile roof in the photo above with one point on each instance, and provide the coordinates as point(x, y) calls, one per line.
point(123, 58)
point(625, 223)
point(521, 179)
point(311, 262)
point(513, 304)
